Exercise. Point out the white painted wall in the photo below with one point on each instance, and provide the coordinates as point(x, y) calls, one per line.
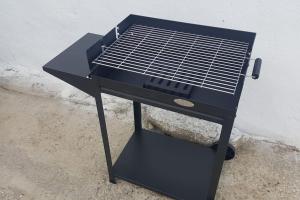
point(34, 31)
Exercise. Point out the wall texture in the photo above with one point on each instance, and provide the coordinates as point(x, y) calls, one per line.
point(32, 32)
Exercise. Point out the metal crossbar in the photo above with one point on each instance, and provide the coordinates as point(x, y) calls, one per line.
point(203, 61)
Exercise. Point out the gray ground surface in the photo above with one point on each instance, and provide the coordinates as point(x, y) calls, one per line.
point(52, 150)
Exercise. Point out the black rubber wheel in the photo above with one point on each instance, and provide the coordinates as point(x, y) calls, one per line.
point(230, 153)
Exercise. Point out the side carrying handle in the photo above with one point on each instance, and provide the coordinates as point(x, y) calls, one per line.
point(256, 68)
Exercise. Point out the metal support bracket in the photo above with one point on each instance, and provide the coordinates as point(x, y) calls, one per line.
point(103, 47)
point(117, 32)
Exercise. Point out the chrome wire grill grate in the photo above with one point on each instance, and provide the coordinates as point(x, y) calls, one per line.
point(202, 61)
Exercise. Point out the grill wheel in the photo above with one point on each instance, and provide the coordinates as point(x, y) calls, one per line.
point(230, 152)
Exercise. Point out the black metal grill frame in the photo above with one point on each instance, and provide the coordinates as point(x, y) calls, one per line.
point(167, 157)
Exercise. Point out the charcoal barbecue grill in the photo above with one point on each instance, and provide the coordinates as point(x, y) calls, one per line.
point(191, 69)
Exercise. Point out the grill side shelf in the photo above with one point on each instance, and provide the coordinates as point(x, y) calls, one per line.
point(167, 86)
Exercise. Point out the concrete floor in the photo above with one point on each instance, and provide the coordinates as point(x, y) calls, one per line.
point(52, 150)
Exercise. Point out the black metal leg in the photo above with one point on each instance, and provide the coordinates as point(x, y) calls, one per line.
point(137, 116)
point(220, 156)
point(104, 136)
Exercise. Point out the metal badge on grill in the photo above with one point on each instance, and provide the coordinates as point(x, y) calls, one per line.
point(183, 102)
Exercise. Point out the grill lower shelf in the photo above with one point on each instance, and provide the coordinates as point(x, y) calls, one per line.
point(176, 168)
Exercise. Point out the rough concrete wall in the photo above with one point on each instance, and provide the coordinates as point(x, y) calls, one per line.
point(32, 32)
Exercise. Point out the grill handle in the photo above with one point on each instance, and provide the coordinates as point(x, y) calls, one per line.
point(256, 68)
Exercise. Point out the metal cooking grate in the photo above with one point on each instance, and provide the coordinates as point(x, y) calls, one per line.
point(202, 61)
